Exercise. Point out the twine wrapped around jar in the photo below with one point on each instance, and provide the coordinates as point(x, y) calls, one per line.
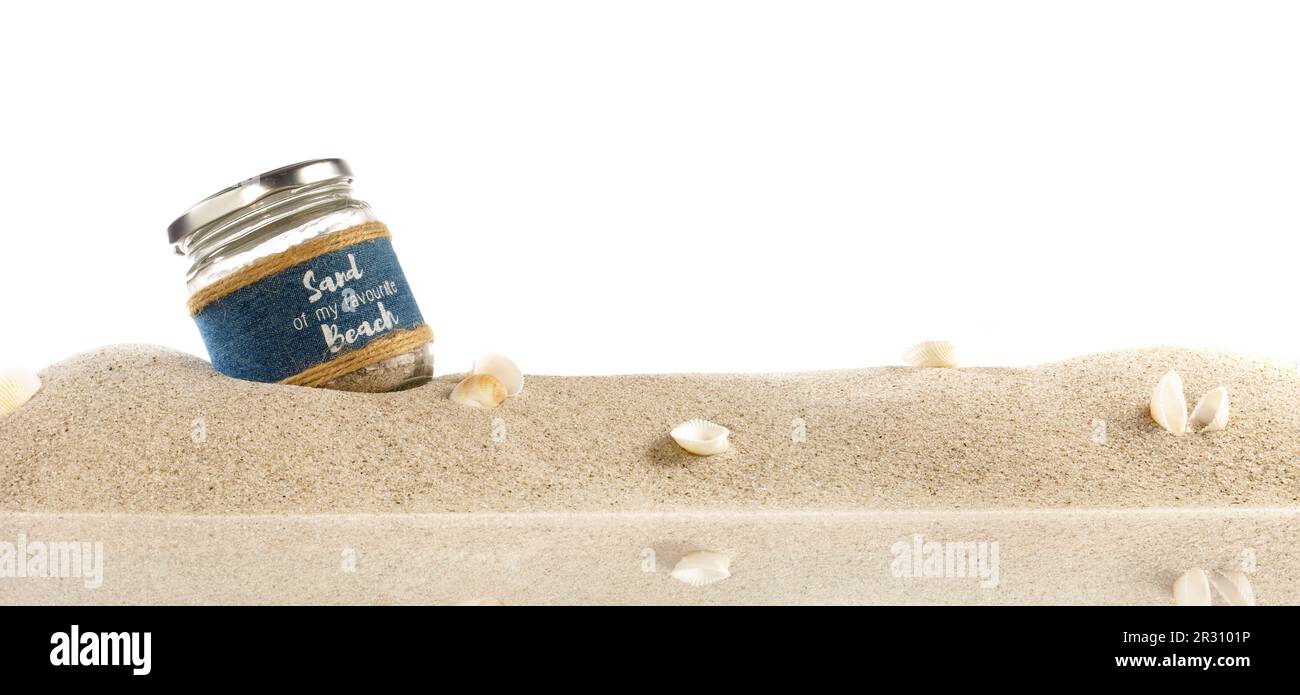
point(302, 286)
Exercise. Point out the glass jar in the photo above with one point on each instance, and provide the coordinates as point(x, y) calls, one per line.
point(231, 231)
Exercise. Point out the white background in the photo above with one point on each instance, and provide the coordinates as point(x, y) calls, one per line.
point(699, 186)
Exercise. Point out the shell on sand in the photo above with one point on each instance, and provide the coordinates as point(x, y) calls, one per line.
point(1211, 412)
point(702, 568)
point(504, 369)
point(1192, 589)
point(479, 391)
point(933, 353)
point(1168, 404)
point(701, 437)
point(483, 602)
point(17, 386)
point(1234, 587)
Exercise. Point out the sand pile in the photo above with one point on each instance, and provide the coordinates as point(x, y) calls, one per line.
point(203, 489)
point(144, 429)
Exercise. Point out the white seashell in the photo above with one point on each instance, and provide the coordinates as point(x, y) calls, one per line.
point(1192, 589)
point(934, 353)
point(17, 386)
point(503, 369)
point(483, 602)
point(1211, 412)
point(1169, 405)
point(702, 568)
point(701, 437)
point(1234, 587)
point(479, 391)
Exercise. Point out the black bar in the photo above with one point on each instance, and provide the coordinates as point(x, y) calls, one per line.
point(321, 644)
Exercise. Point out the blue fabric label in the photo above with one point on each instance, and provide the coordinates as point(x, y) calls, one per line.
point(308, 314)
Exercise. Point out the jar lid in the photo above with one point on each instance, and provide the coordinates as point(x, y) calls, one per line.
point(248, 192)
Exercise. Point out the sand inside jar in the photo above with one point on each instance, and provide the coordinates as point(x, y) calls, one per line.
point(405, 371)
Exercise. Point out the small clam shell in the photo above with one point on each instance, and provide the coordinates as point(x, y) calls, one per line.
point(1211, 412)
point(1169, 405)
point(17, 386)
point(702, 568)
point(479, 391)
point(1234, 587)
point(701, 437)
point(1192, 589)
point(933, 353)
point(504, 369)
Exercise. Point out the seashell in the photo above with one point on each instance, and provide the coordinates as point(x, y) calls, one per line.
point(1192, 589)
point(483, 602)
point(503, 369)
point(701, 437)
point(1169, 405)
point(479, 391)
point(1234, 587)
point(933, 353)
point(17, 386)
point(1211, 412)
point(702, 568)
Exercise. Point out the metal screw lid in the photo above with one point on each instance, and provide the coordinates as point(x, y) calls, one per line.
point(249, 192)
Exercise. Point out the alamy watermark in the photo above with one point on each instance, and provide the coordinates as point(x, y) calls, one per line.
point(199, 431)
point(1098, 435)
point(77, 648)
point(919, 558)
point(36, 559)
point(1248, 560)
point(798, 431)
